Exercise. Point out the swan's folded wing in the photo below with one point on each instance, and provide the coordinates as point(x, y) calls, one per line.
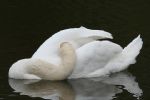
point(122, 60)
point(93, 56)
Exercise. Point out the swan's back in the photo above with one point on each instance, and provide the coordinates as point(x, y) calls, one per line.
point(94, 56)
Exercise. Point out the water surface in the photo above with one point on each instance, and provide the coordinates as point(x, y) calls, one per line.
point(26, 25)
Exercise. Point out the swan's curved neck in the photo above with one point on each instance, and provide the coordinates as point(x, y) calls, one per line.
point(68, 57)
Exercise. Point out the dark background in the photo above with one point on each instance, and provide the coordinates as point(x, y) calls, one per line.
point(25, 24)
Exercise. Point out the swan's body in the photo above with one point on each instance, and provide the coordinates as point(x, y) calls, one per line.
point(94, 58)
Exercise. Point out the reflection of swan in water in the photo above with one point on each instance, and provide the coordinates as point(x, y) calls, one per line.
point(79, 89)
point(43, 89)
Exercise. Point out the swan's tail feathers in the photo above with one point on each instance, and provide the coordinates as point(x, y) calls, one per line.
point(122, 60)
point(133, 49)
point(127, 56)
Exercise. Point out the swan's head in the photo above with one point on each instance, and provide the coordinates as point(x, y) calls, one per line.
point(18, 69)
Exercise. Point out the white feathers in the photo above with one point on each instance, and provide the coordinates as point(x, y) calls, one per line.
point(94, 58)
point(48, 51)
point(122, 60)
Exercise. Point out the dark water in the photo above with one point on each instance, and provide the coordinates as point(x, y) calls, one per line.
point(26, 24)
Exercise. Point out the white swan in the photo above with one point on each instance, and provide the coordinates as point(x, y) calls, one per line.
point(94, 58)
